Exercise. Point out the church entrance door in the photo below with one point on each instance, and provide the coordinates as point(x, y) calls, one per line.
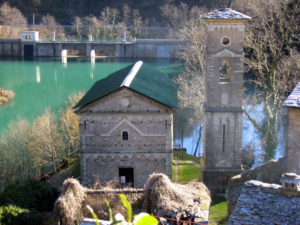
point(126, 176)
point(222, 184)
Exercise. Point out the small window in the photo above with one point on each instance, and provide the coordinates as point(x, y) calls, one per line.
point(225, 41)
point(125, 136)
point(27, 36)
point(223, 138)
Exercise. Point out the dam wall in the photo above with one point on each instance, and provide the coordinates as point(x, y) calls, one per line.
point(141, 48)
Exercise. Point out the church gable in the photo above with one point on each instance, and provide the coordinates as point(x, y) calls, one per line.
point(124, 100)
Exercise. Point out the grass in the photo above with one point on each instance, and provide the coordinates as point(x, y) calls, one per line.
point(75, 170)
point(188, 168)
point(218, 211)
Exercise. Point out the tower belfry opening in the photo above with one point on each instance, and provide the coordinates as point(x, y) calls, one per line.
point(224, 98)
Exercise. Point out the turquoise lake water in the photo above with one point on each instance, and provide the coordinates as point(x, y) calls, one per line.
point(47, 82)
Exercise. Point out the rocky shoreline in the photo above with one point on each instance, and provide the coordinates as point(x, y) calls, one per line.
point(5, 96)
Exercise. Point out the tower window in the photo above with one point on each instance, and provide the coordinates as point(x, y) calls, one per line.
point(225, 71)
point(225, 40)
point(223, 138)
point(125, 136)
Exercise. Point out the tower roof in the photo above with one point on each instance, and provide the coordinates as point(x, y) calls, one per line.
point(294, 98)
point(139, 77)
point(225, 13)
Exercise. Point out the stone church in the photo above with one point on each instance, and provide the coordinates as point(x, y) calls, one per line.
point(126, 126)
point(222, 146)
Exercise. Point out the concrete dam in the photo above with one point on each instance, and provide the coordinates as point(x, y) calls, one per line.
point(140, 48)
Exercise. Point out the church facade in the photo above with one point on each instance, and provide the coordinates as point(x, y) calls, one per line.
point(126, 126)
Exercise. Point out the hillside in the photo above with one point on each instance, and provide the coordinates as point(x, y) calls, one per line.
point(65, 11)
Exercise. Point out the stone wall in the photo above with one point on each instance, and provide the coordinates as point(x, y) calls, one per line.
point(150, 138)
point(224, 98)
point(262, 203)
point(104, 167)
point(215, 156)
point(269, 172)
point(293, 141)
point(140, 48)
point(10, 48)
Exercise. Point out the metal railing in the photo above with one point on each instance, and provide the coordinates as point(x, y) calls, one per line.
point(178, 222)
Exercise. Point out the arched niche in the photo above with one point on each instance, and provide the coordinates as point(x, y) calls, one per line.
point(225, 71)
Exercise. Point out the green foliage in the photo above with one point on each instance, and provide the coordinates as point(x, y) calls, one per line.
point(29, 195)
point(127, 206)
point(109, 211)
point(140, 219)
point(13, 215)
point(75, 170)
point(218, 213)
point(147, 220)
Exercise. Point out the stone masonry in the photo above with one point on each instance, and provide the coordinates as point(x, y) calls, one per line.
point(262, 203)
point(224, 98)
point(149, 145)
point(293, 131)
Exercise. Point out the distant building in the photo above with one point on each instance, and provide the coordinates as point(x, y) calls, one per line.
point(292, 103)
point(126, 126)
point(223, 98)
point(29, 36)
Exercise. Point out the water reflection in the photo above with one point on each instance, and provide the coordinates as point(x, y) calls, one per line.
point(38, 74)
point(44, 82)
point(186, 135)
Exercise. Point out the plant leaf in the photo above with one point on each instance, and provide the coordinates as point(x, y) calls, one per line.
point(109, 210)
point(93, 214)
point(128, 207)
point(147, 220)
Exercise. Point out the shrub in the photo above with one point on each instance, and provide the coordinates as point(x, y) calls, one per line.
point(30, 195)
point(13, 215)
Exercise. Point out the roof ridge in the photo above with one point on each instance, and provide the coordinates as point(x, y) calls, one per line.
point(129, 78)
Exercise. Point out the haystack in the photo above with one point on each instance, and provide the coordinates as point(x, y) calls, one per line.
point(162, 194)
point(72, 202)
point(68, 205)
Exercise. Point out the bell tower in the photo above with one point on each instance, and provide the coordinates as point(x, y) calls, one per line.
point(223, 97)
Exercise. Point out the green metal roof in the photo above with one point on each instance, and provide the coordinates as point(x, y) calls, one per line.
point(139, 77)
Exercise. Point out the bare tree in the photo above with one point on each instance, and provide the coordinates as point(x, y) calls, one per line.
point(126, 14)
point(191, 81)
point(46, 144)
point(175, 17)
point(114, 14)
point(49, 25)
point(11, 20)
point(69, 124)
point(269, 42)
point(77, 23)
point(15, 159)
point(136, 23)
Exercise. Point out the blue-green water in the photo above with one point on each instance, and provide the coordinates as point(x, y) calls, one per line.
point(47, 82)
